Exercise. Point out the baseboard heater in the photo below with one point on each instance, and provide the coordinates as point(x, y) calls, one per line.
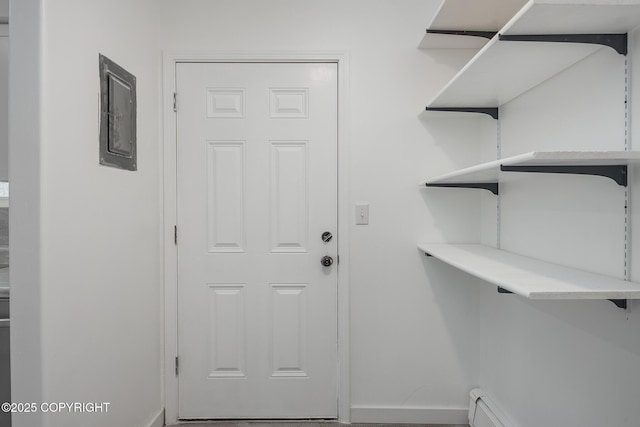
point(484, 413)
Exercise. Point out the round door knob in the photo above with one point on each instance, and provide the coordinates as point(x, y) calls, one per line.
point(326, 261)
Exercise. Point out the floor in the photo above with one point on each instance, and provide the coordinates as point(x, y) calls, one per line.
point(302, 424)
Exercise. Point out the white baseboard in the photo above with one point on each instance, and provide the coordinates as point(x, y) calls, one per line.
point(158, 421)
point(409, 415)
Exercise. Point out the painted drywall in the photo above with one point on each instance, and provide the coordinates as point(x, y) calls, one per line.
point(24, 219)
point(413, 320)
point(87, 276)
point(572, 363)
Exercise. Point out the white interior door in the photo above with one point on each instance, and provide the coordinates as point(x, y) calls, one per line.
point(256, 190)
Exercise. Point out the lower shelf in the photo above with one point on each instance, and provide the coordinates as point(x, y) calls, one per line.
point(529, 277)
point(611, 164)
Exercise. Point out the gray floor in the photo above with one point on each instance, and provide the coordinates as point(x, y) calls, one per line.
point(303, 424)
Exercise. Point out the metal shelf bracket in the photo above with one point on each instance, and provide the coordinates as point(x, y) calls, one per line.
point(618, 42)
point(493, 112)
point(491, 186)
point(618, 173)
point(485, 34)
point(620, 303)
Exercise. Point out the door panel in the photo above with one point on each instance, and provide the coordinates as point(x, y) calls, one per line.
point(289, 196)
point(227, 328)
point(257, 187)
point(225, 196)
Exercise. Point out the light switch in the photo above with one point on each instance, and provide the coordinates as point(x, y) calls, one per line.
point(362, 214)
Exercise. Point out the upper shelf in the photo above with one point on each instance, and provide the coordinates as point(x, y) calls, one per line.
point(503, 69)
point(530, 162)
point(435, 39)
point(529, 277)
point(465, 15)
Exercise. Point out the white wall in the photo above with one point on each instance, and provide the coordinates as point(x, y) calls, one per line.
point(413, 321)
point(94, 252)
point(25, 129)
point(569, 363)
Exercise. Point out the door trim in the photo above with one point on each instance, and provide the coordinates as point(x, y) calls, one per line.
point(169, 177)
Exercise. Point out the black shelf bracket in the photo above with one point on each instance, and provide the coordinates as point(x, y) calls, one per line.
point(618, 173)
point(491, 186)
point(618, 42)
point(620, 303)
point(493, 112)
point(484, 34)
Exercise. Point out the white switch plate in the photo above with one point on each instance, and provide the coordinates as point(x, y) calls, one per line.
point(362, 214)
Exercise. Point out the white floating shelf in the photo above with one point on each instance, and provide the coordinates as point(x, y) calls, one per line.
point(465, 15)
point(502, 70)
point(489, 172)
point(529, 277)
point(448, 41)
point(485, 172)
point(476, 15)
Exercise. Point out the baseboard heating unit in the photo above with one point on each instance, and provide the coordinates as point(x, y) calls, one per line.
point(484, 413)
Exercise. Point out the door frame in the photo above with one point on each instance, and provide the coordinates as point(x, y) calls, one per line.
point(169, 203)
